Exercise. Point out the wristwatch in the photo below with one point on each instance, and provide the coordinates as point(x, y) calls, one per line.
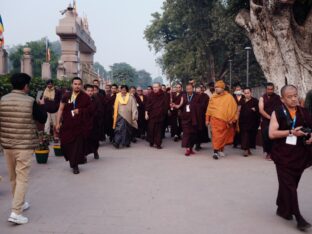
point(290, 133)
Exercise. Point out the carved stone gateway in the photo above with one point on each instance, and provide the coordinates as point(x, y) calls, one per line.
point(77, 47)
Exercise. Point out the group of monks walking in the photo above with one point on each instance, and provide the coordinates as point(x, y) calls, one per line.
point(193, 115)
point(86, 115)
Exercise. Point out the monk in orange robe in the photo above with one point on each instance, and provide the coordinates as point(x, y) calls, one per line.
point(221, 115)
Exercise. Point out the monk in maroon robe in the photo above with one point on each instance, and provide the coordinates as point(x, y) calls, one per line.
point(175, 114)
point(240, 99)
point(191, 119)
point(267, 104)
point(110, 101)
point(95, 121)
point(291, 152)
point(141, 101)
point(72, 123)
point(166, 121)
point(156, 111)
point(203, 136)
point(249, 120)
point(102, 100)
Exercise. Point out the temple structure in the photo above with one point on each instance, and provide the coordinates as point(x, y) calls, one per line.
point(78, 47)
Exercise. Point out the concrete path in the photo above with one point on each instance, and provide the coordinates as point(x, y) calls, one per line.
point(148, 191)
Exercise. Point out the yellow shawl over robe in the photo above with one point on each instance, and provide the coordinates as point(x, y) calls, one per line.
point(223, 107)
point(119, 100)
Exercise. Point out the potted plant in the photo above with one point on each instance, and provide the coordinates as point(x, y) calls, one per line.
point(57, 148)
point(42, 152)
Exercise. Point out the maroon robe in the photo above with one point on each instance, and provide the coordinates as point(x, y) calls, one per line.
point(191, 121)
point(166, 121)
point(203, 136)
point(103, 123)
point(75, 129)
point(142, 124)
point(110, 101)
point(157, 108)
point(175, 118)
point(249, 120)
point(95, 124)
point(290, 161)
point(270, 104)
point(237, 137)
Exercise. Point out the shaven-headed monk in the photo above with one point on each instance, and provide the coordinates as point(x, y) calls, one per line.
point(95, 123)
point(191, 119)
point(221, 115)
point(72, 123)
point(267, 104)
point(155, 113)
point(291, 152)
point(176, 99)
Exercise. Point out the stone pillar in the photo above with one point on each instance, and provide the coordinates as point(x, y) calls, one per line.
point(46, 71)
point(70, 48)
point(3, 62)
point(60, 71)
point(26, 62)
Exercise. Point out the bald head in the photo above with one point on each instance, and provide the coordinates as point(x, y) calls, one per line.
point(290, 96)
point(288, 88)
point(156, 87)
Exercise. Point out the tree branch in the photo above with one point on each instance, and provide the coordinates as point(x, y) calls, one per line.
point(243, 20)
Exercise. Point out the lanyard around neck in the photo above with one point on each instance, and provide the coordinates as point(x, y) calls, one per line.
point(189, 98)
point(293, 121)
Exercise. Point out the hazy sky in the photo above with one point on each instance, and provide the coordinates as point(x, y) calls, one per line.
point(116, 26)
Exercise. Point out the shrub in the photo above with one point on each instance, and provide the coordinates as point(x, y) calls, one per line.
point(36, 85)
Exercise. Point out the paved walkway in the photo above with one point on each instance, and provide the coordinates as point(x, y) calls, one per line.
point(148, 191)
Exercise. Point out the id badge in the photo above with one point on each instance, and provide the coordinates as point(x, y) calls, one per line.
point(188, 108)
point(291, 140)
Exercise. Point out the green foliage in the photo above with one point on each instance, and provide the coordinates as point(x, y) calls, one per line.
point(37, 84)
point(44, 141)
point(158, 79)
point(100, 69)
point(123, 74)
point(5, 85)
point(197, 39)
point(144, 79)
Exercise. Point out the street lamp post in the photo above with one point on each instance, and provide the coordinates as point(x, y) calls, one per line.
point(230, 62)
point(247, 69)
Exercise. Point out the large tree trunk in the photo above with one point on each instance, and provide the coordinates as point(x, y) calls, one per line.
point(282, 47)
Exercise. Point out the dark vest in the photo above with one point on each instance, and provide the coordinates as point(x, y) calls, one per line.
point(292, 156)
